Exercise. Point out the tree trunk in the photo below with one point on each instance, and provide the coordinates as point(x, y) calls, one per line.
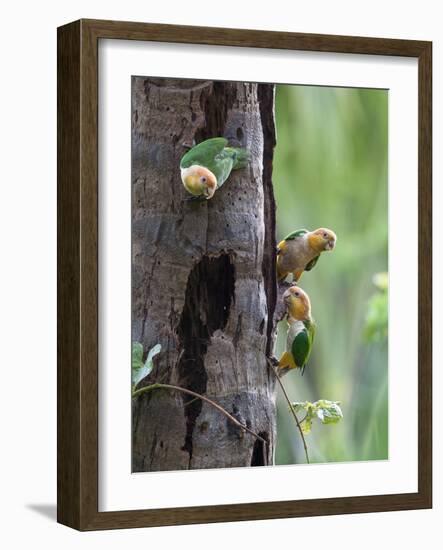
point(203, 277)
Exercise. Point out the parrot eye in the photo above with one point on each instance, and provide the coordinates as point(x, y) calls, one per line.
point(203, 179)
point(325, 235)
point(297, 294)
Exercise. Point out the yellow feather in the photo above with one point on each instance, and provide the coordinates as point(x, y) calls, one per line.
point(286, 361)
point(282, 246)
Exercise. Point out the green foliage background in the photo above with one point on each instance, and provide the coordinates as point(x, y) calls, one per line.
point(330, 170)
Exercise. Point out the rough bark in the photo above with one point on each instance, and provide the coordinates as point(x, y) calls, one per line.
point(203, 277)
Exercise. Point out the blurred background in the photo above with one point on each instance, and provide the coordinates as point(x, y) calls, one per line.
point(330, 170)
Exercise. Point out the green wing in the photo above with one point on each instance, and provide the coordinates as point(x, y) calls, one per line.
point(204, 153)
point(301, 348)
point(295, 234)
point(312, 263)
point(302, 345)
point(222, 166)
point(310, 327)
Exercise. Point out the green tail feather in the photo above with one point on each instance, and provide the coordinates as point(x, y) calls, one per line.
point(241, 157)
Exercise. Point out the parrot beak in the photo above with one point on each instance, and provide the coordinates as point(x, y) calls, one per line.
point(330, 245)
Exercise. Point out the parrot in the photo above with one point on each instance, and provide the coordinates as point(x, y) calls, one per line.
point(300, 251)
point(301, 331)
point(206, 166)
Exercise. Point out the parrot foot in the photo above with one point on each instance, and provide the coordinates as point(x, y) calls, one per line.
point(273, 361)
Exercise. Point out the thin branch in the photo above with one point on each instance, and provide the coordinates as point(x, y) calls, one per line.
point(291, 409)
point(152, 387)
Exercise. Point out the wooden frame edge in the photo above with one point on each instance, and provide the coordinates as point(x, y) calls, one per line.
point(425, 273)
point(68, 274)
point(77, 171)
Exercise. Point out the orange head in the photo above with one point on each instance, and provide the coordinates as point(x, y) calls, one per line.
point(297, 303)
point(198, 181)
point(322, 239)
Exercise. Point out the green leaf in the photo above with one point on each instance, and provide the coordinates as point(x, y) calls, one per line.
point(301, 406)
point(306, 424)
point(139, 369)
point(137, 354)
point(328, 412)
point(152, 353)
point(306, 421)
